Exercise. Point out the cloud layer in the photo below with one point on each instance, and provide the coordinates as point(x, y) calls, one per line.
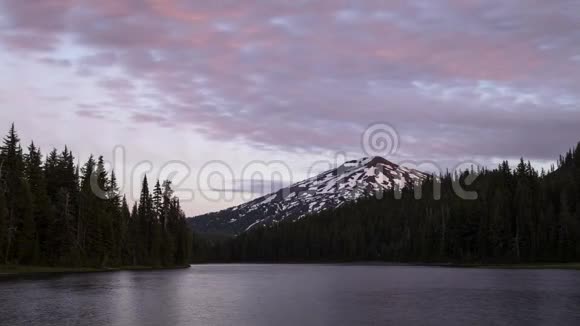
point(456, 78)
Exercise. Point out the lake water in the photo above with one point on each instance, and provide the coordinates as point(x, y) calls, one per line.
point(296, 295)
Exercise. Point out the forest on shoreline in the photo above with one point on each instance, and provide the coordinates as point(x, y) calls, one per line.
point(56, 213)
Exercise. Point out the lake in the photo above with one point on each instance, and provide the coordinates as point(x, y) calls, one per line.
point(295, 295)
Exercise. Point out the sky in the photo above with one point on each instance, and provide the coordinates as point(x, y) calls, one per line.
point(181, 89)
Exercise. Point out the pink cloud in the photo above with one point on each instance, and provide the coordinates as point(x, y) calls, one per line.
point(309, 83)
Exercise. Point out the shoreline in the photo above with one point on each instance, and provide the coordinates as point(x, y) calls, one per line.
point(8, 271)
point(23, 270)
point(537, 266)
point(522, 266)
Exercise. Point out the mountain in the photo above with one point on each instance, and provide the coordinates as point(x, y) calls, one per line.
point(328, 190)
point(519, 216)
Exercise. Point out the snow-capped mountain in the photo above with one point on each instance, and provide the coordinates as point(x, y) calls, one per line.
point(330, 189)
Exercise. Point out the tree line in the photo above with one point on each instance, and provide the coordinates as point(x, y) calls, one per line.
point(520, 215)
point(53, 212)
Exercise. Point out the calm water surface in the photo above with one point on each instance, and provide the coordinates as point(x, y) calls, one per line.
point(296, 295)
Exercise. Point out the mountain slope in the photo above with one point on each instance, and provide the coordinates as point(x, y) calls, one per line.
point(328, 190)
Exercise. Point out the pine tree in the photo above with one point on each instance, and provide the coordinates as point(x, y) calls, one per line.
point(13, 173)
point(170, 222)
point(105, 212)
point(51, 175)
point(114, 211)
point(41, 207)
point(145, 224)
point(134, 236)
point(67, 232)
point(158, 200)
point(90, 236)
point(159, 236)
point(125, 233)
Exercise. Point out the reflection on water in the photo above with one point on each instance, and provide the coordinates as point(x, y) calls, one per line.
point(296, 295)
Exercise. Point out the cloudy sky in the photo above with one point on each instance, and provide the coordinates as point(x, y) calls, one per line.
point(298, 81)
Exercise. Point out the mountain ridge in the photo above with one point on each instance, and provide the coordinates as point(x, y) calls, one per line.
point(349, 182)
